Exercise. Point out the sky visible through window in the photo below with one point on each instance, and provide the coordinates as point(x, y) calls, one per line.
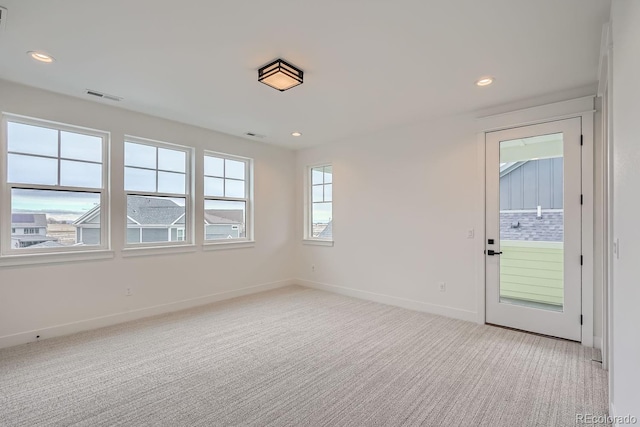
point(58, 205)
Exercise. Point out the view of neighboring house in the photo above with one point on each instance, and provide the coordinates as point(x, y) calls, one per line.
point(525, 186)
point(532, 232)
point(223, 224)
point(155, 219)
point(327, 231)
point(30, 230)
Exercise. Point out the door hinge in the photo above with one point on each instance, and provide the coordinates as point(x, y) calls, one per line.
point(581, 139)
point(582, 199)
point(581, 319)
point(581, 260)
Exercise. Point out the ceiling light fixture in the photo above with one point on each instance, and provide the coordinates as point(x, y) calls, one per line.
point(485, 81)
point(42, 57)
point(280, 75)
point(296, 134)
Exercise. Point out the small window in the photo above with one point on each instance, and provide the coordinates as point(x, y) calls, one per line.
point(226, 197)
point(157, 185)
point(321, 203)
point(56, 175)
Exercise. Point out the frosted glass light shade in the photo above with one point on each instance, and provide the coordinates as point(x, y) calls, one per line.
point(280, 75)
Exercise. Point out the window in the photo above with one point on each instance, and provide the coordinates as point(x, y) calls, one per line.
point(56, 175)
point(157, 185)
point(321, 201)
point(226, 197)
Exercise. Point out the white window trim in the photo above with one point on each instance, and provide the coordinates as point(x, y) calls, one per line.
point(308, 238)
point(158, 250)
point(213, 245)
point(248, 240)
point(188, 241)
point(10, 256)
point(55, 257)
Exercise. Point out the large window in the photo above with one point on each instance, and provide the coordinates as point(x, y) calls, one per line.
point(55, 176)
point(158, 186)
point(321, 203)
point(226, 197)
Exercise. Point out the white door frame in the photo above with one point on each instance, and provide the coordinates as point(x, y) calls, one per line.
point(579, 107)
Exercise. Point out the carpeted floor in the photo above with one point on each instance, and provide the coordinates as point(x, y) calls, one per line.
point(300, 357)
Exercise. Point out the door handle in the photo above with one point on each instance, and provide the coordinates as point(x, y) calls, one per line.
point(491, 252)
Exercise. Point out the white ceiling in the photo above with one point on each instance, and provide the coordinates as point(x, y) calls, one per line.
point(369, 64)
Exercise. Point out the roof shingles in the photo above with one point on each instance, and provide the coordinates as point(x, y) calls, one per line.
point(549, 228)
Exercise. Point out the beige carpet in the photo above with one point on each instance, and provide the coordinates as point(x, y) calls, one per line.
point(299, 357)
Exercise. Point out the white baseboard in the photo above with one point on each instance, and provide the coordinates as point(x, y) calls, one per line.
point(113, 319)
point(597, 342)
point(456, 313)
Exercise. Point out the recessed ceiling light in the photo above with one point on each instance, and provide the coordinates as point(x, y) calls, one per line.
point(42, 57)
point(485, 81)
point(296, 134)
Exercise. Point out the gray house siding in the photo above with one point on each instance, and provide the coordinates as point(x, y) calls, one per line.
point(221, 231)
point(535, 183)
point(133, 235)
point(89, 236)
point(154, 235)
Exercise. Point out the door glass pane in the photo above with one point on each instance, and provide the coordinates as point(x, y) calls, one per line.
point(532, 222)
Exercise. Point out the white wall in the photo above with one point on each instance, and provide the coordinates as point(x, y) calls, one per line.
point(62, 298)
point(626, 184)
point(403, 202)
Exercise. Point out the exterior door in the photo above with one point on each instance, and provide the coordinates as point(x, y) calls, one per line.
point(533, 214)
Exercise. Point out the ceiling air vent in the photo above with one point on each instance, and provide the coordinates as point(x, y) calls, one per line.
point(103, 95)
point(3, 18)
point(254, 135)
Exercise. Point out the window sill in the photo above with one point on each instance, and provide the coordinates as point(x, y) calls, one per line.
point(317, 242)
point(157, 250)
point(216, 246)
point(54, 258)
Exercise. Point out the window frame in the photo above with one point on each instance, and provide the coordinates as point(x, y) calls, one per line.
point(309, 239)
point(6, 251)
point(188, 195)
point(248, 200)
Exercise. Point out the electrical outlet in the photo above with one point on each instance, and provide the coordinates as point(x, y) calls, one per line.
point(442, 286)
point(471, 233)
point(128, 292)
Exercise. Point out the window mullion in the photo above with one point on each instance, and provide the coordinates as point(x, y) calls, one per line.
point(59, 153)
